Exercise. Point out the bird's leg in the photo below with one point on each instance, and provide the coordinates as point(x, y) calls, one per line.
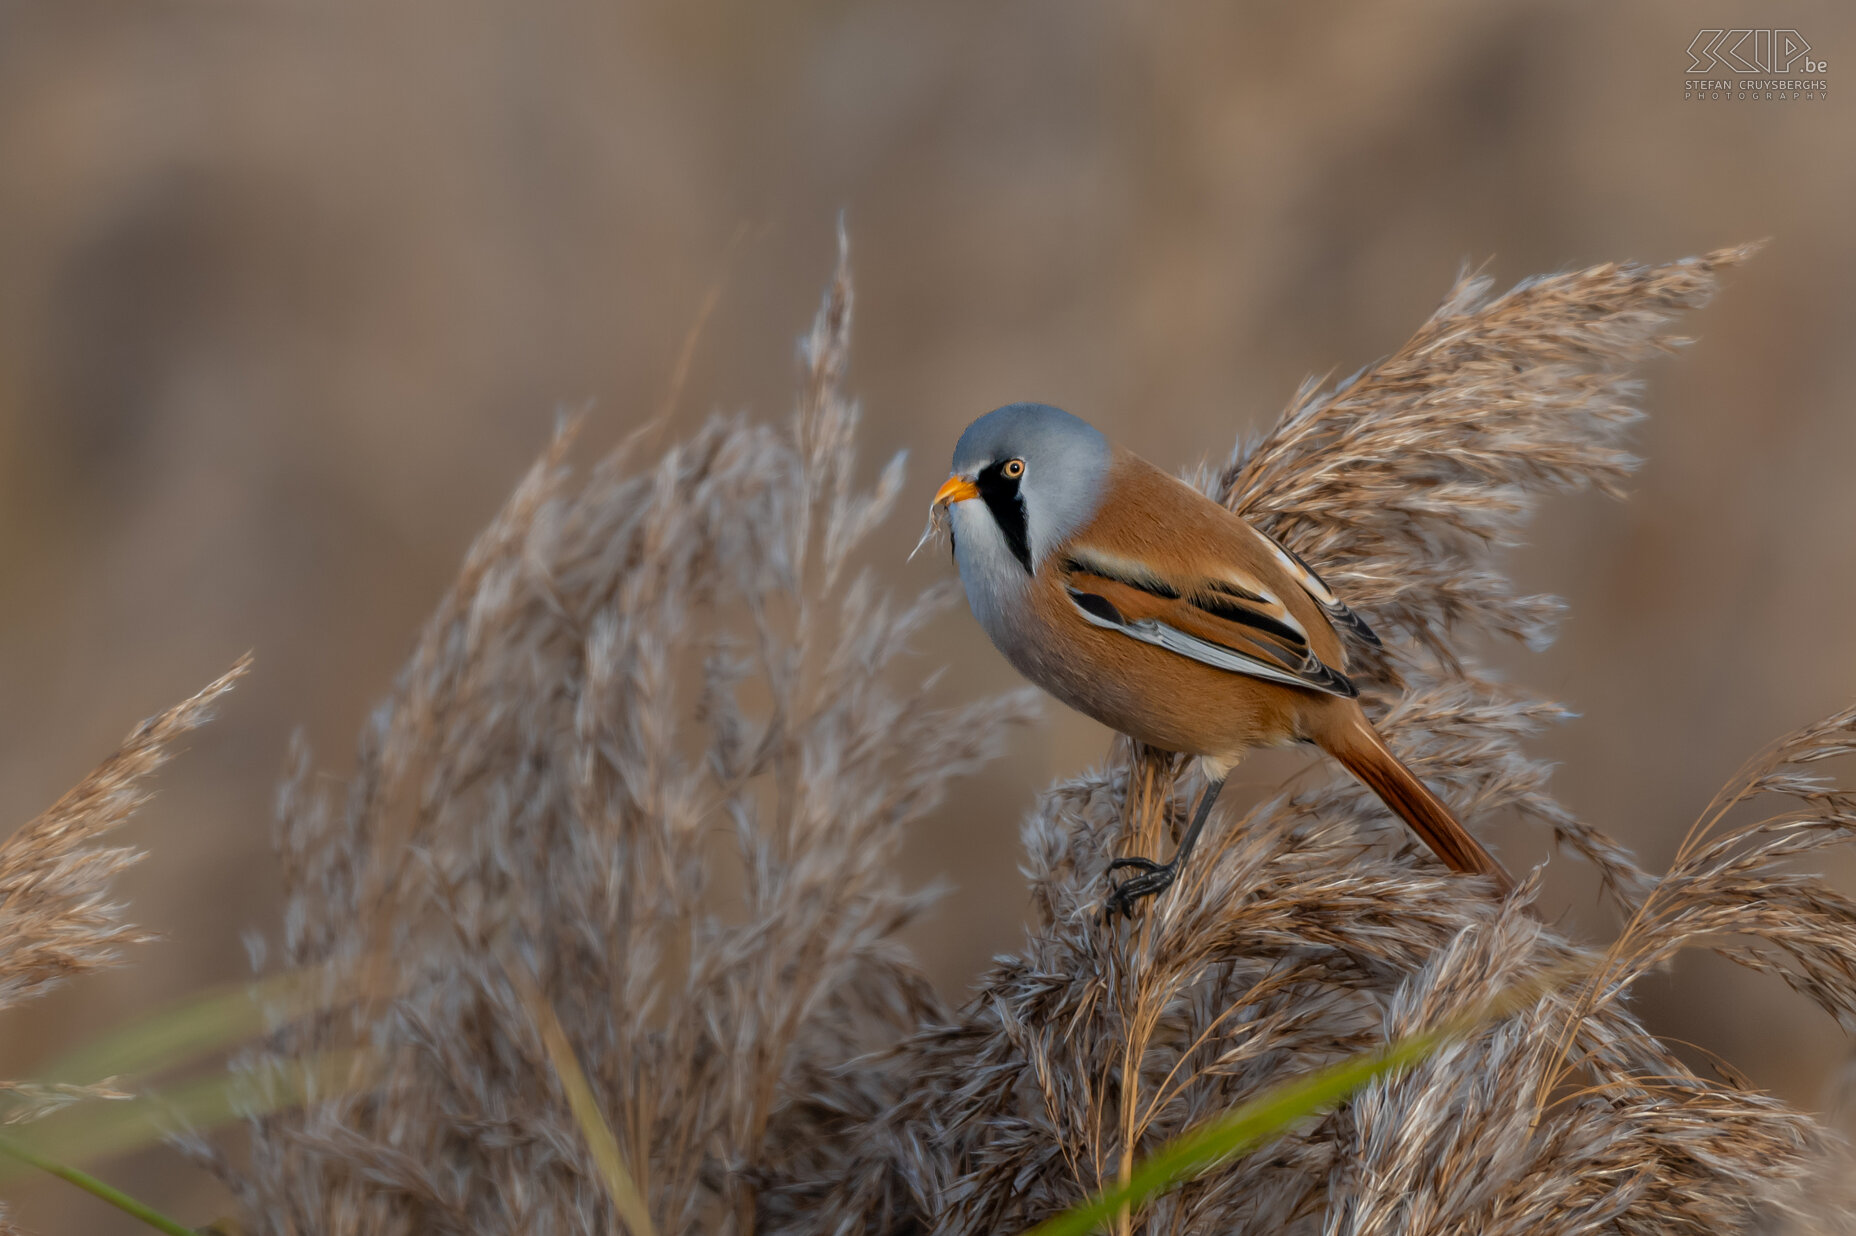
point(1158, 877)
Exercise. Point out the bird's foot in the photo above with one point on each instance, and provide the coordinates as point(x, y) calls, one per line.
point(1155, 878)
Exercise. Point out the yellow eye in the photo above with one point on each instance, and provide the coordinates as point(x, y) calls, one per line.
point(1014, 468)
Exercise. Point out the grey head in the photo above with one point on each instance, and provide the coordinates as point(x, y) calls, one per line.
point(1025, 478)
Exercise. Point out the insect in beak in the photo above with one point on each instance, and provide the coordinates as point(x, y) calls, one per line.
point(955, 489)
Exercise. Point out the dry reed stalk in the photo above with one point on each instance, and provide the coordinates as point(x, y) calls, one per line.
point(542, 781)
point(57, 917)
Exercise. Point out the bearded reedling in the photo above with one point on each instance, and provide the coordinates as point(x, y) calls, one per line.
point(1136, 600)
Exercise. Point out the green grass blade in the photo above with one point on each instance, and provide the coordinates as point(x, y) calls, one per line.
point(1245, 1126)
point(97, 1130)
point(213, 1020)
point(1280, 1109)
point(96, 1188)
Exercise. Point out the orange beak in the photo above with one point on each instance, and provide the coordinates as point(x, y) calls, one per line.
point(955, 489)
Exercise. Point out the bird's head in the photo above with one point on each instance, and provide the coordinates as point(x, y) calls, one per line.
point(1025, 478)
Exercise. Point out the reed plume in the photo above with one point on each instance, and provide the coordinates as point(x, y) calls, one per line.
point(650, 750)
point(58, 916)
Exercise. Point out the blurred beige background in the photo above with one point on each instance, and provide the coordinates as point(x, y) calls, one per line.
point(291, 292)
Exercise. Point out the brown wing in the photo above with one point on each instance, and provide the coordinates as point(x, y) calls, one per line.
point(1166, 565)
point(1214, 622)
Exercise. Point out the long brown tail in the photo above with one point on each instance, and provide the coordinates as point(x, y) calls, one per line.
point(1356, 744)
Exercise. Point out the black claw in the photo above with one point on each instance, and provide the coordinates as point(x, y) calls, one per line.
point(1156, 878)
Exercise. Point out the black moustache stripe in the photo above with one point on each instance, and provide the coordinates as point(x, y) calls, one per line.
point(1000, 494)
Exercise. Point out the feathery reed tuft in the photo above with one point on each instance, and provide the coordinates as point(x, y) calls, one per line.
point(648, 750)
point(57, 919)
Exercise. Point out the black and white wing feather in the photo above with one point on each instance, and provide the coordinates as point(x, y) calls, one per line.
point(1220, 623)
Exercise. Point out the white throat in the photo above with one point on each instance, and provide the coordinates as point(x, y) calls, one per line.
point(994, 578)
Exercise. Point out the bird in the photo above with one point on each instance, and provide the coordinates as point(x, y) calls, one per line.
point(1136, 600)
